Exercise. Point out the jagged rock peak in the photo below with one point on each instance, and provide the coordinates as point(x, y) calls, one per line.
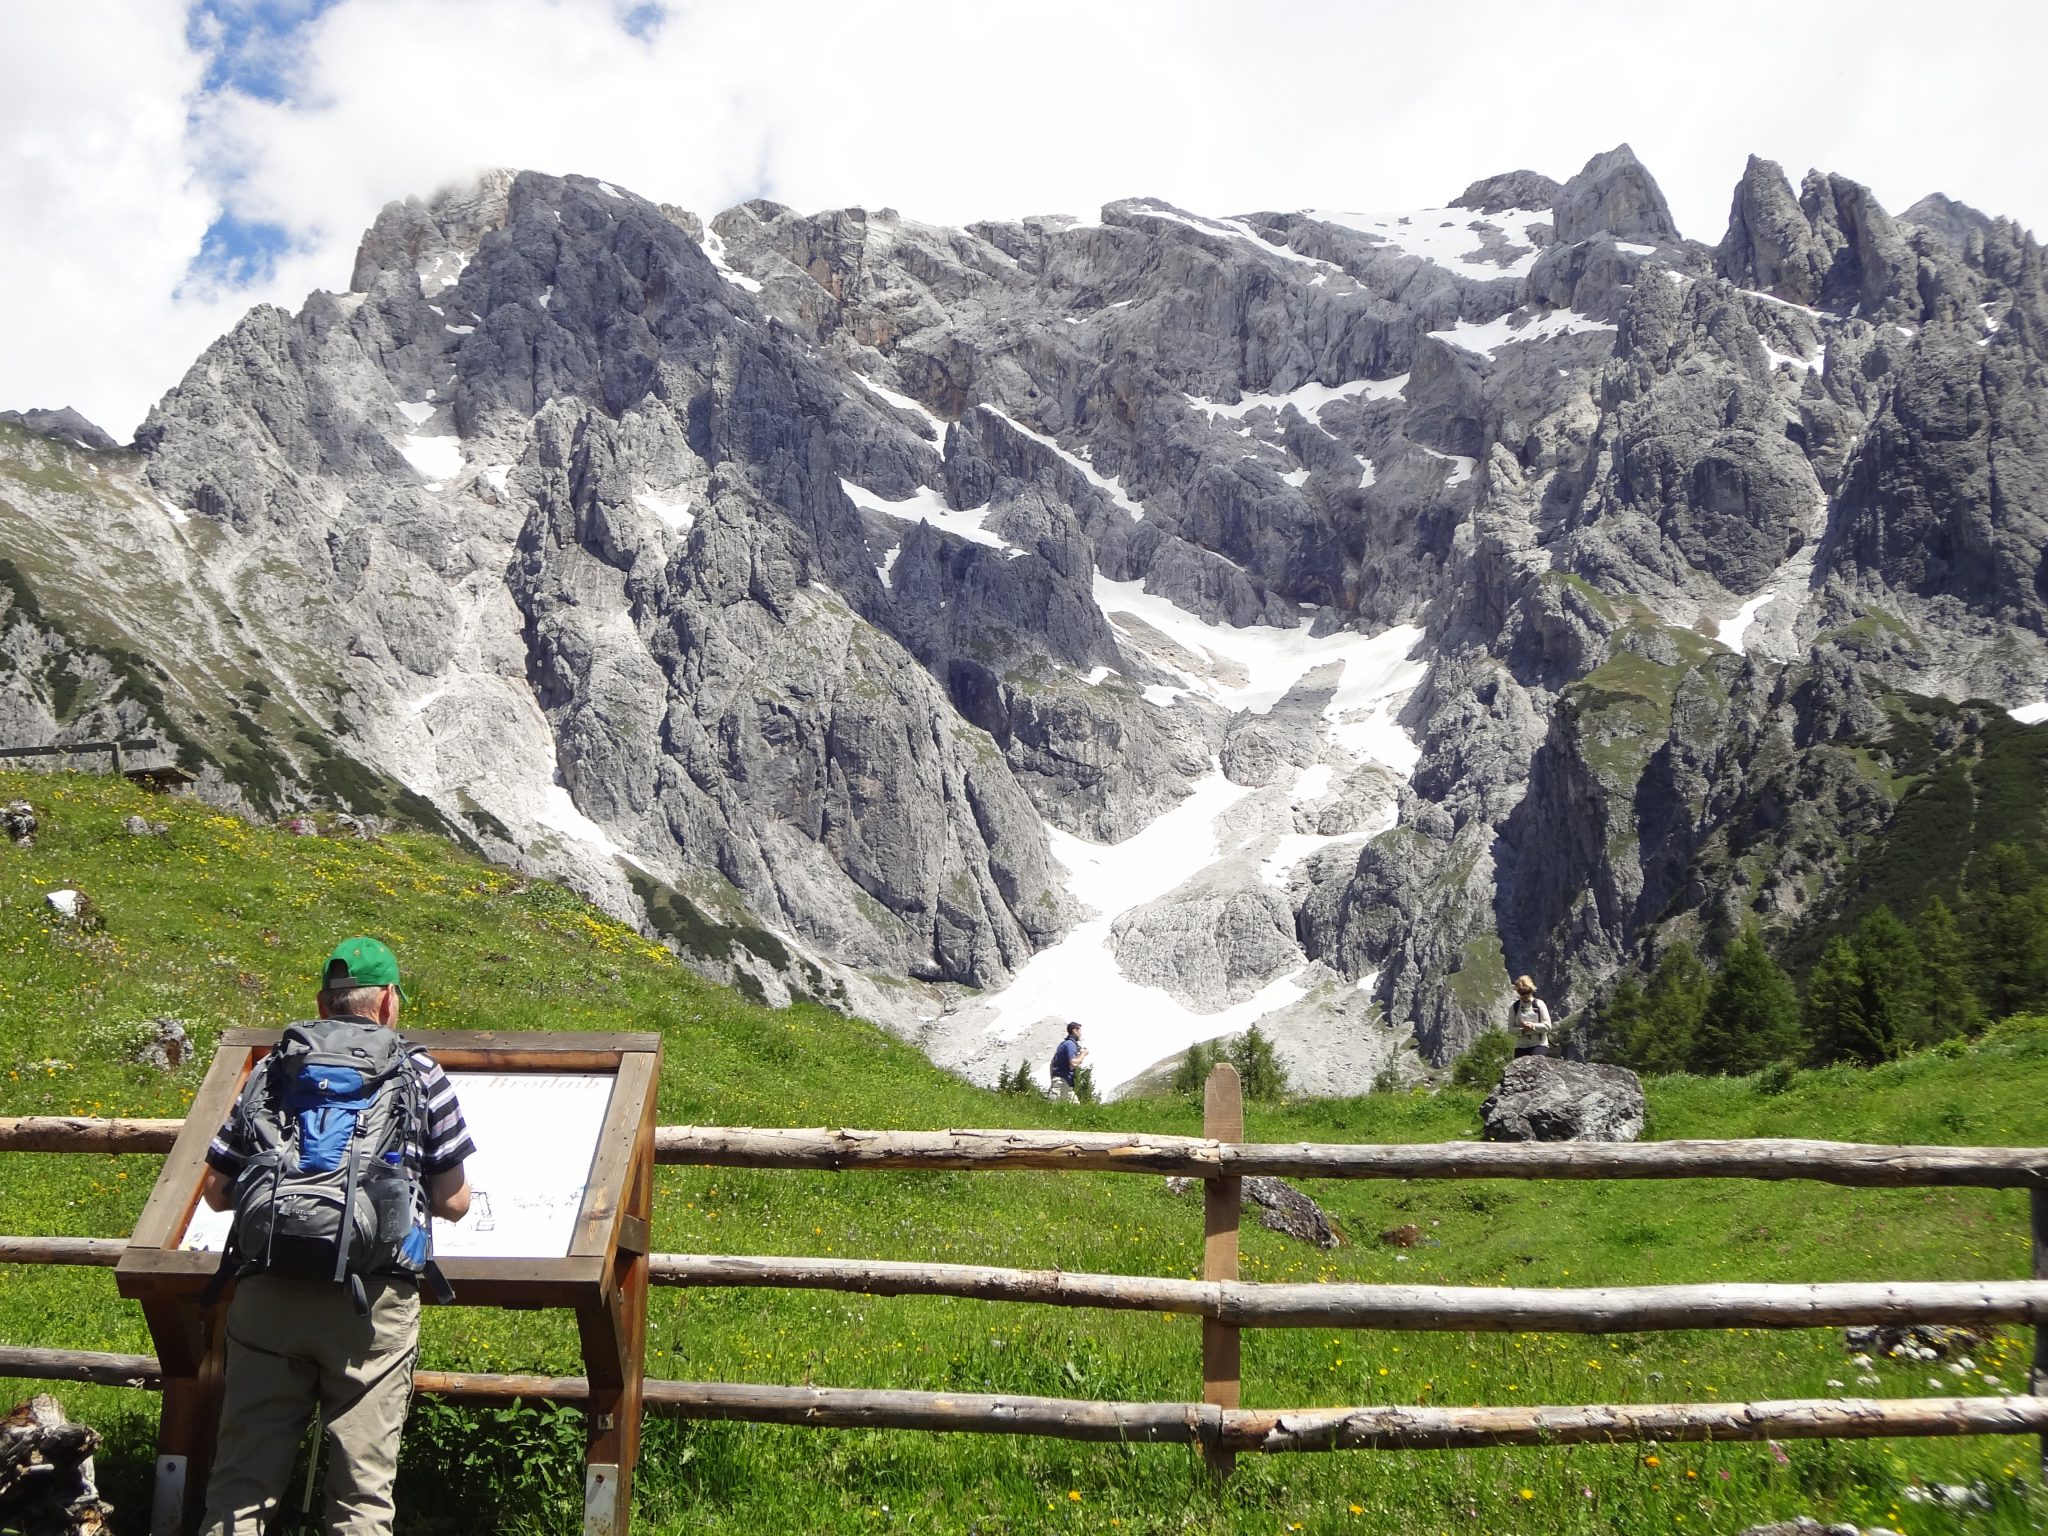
point(63, 424)
point(434, 237)
point(1510, 189)
point(1954, 222)
point(1770, 243)
point(1614, 195)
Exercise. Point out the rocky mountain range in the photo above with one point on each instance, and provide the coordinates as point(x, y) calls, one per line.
point(1165, 620)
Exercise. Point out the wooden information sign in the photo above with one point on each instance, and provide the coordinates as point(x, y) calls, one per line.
point(562, 1191)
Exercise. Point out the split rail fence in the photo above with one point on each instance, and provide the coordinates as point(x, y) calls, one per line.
point(1218, 1425)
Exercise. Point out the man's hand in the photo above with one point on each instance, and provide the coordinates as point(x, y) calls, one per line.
point(217, 1189)
point(448, 1193)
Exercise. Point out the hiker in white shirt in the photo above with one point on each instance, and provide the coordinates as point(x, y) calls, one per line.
point(1529, 1020)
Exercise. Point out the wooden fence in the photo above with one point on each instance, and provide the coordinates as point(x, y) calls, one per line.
point(1218, 1425)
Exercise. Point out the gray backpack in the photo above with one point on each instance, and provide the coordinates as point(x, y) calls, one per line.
point(326, 1192)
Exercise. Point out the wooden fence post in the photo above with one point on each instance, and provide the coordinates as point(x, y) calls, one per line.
point(2038, 1199)
point(1222, 1209)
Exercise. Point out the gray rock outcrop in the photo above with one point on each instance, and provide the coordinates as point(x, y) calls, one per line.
point(1510, 189)
point(1303, 618)
point(1543, 1098)
point(1614, 194)
point(63, 425)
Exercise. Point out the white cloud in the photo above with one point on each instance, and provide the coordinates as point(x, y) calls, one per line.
point(947, 112)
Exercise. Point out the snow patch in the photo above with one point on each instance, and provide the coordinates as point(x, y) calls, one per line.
point(674, 514)
point(1367, 474)
point(558, 813)
point(1488, 338)
point(1110, 488)
point(2030, 714)
point(905, 403)
point(1312, 783)
point(889, 564)
point(1731, 631)
point(1462, 465)
point(459, 330)
point(1445, 236)
point(174, 512)
point(436, 458)
point(1096, 676)
point(1239, 229)
point(416, 411)
point(1634, 249)
point(496, 475)
point(1296, 478)
point(1253, 668)
point(609, 190)
point(928, 506)
point(1078, 977)
point(1309, 399)
point(713, 247)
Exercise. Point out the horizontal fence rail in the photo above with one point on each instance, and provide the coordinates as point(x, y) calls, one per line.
point(1219, 1427)
point(834, 1149)
point(1263, 1304)
point(1832, 1162)
point(1398, 1308)
point(1235, 1429)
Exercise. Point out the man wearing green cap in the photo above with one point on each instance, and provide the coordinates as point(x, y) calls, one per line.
point(297, 1343)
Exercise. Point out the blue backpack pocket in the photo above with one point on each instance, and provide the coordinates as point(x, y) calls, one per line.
point(326, 1102)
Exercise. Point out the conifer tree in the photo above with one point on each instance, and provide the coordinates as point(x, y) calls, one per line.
point(1835, 1026)
point(1677, 996)
point(1258, 1068)
point(1752, 1013)
point(1612, 1029)
point(2009, 941)
point(1952, 1006)
point(1894, 982)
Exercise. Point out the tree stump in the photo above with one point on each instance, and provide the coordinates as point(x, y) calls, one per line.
point(46, 1475)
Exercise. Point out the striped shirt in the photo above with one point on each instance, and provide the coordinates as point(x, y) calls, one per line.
point(442, 1143)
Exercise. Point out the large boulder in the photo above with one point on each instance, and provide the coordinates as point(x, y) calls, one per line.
point(1541, 1098)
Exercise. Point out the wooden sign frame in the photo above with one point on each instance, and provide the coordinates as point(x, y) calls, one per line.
point(603, 1278)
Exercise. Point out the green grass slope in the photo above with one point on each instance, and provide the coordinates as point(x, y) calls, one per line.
point(222, 924)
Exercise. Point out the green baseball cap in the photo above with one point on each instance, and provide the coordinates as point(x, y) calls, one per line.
point(361, 962)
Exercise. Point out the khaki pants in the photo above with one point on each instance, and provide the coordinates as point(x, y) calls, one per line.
point(1063, 1091)
point(295, 1343)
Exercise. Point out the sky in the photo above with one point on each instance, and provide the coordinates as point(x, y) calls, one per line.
point(164, 167)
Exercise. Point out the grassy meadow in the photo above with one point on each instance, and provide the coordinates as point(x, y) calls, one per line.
point(221, 924)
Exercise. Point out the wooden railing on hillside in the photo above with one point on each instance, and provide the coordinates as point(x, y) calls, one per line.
point(1218, 1425)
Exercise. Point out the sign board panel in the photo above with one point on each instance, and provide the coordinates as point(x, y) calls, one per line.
point(535, 1134)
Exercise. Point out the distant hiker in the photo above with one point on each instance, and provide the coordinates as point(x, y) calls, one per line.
point(341, 1116)
point(1069, 1054)
point(1529, 1020)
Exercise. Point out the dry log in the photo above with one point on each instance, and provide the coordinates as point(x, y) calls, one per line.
point(81, 1133)
point(1295, 1429)
point(1437, 1429)
point(101, 1370)
point(99, 1251)
point(1828, 1162)
point(46, 1473)
point(1831, 1162)
point(1413, 1308)
point(969, 1412)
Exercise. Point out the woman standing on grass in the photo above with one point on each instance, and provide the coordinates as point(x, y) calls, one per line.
point(1529, 1020)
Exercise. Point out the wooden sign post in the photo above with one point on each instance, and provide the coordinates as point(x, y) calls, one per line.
point(1222, 1211)
point(562, 1192)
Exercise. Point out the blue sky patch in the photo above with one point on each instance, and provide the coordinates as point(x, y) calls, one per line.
point(250, 45)
point(236, 252)
point(644, 20)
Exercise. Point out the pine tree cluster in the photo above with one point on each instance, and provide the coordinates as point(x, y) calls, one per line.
point(1883, 989)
